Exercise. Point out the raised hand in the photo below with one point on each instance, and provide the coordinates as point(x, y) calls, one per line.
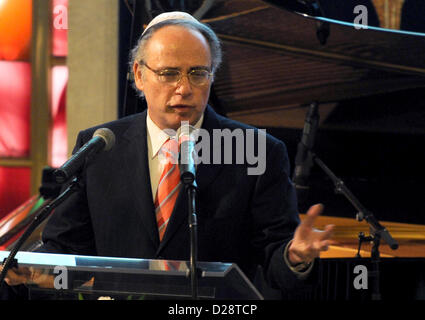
point(308, 242)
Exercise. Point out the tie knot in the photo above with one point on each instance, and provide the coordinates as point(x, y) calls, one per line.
point(169, 151)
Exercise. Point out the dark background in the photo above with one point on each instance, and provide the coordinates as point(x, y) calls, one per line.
point(382, 164)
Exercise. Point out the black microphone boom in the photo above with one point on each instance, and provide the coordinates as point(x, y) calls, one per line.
point(103, 140)
point(303, 159)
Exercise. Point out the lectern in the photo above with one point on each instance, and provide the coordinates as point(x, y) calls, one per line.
point(90, 277)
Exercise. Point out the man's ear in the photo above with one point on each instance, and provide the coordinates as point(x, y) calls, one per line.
point(138, 77)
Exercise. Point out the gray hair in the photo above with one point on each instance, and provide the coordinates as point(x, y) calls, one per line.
point(138, 53)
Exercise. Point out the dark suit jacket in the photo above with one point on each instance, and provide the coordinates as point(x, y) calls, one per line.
point(243, 219)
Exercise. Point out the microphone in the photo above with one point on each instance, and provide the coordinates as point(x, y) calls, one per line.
point(186, 155)
point(103, 140)
point(304, 159)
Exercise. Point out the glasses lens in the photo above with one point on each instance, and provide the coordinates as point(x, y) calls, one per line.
point(199, 77)
point(169, 76)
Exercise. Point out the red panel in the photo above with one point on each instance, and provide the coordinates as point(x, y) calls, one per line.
point(15, 29)
point(15, 102)
point(14, 188)
point(59, 135)
point(60, 28)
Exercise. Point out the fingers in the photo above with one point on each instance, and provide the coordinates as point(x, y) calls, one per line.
point(312, 213)
point(306, 252)
point(321, 246)
point(309, 221)
point(308, 241)
point(323, 239)
point(327, 233)
point(16, 276)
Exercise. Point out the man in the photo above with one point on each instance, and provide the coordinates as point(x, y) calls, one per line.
point(121, 211)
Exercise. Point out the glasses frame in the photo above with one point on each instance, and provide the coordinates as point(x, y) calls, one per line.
point(181, 75)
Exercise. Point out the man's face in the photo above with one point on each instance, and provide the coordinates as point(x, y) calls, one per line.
point(174, 47)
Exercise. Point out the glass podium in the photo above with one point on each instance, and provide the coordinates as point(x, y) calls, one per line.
point(64, 276)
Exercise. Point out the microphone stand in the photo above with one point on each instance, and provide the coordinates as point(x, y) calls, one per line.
point(191, 188)
point(377, 231)
point(188, 179)
point(10, 261)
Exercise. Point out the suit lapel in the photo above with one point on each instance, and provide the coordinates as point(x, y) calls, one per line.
point(137, 169)
point(205, 174)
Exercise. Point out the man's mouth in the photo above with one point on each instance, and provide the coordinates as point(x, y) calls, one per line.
point(181, 107)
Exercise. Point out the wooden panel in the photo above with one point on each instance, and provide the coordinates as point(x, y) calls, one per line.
point(282, 116)
point(389, 12)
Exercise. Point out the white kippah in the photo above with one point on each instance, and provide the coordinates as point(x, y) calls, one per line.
point(168, 16)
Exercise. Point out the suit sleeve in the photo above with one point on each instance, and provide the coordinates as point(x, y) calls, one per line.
point(275, 215)
point(69, 229)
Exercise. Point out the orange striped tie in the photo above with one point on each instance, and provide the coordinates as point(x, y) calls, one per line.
point(168, 187)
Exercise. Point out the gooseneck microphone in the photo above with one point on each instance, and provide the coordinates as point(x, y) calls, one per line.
point(304, 159)
point(103, 140)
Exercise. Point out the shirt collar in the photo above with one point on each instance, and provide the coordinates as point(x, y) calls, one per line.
point(157, 136)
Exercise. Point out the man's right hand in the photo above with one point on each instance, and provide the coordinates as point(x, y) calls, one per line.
point(28, 276)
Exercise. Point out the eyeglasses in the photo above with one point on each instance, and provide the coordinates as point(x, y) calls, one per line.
point(197, 77)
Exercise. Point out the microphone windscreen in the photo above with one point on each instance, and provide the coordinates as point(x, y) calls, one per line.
point(107, 135)
point(187, 132)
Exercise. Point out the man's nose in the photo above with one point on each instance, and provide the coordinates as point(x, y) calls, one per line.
point(184, 87)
